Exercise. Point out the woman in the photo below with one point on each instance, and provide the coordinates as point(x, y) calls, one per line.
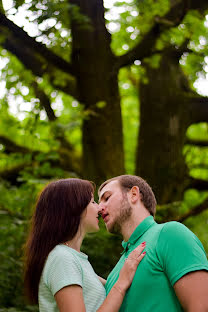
point(57, 275)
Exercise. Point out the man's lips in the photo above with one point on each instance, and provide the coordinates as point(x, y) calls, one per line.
point(105, 217)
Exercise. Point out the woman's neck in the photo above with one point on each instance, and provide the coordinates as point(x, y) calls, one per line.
point(76, 242)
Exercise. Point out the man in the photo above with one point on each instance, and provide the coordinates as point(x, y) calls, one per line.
point(173, 276)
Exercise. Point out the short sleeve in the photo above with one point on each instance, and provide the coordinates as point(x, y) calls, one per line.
point(180, 251)
point(62, 269)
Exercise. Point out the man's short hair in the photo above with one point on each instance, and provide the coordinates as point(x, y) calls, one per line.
point(128, 181)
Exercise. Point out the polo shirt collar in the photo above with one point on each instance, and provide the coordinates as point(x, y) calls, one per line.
point(138, 232)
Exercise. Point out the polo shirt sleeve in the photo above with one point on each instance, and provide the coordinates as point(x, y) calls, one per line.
point(63, 269)
point(180, 251)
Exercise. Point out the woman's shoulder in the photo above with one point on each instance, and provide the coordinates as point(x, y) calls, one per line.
point(61, 258)
point(61, 267)
point(67, 254)
point(60, 251)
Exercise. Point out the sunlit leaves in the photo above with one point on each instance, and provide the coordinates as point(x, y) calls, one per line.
point(196, 156)
point(128, 21)
point(198, 131)
point(128, 85)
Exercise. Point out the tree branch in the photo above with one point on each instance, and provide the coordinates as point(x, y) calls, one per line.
point(44, 101)
point(68, 157)
point(195, 211)
point(146, 47)
point(200, 166)
point(67, 84)
point(143, 49)
point(25, 55)
point(39, 48)
point(38, 66)
point(200, 185)
point(12, 147)
point(170, 212)
point(199, 5)
point(198, 109)
point(200, 143)
point(68, 160)
point(12, 174)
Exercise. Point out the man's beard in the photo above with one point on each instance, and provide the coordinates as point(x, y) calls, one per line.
point(125, 213)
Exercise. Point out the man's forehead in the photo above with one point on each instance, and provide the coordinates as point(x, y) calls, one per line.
point(109, 187)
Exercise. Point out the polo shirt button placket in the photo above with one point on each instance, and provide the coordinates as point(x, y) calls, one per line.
point(127, 249)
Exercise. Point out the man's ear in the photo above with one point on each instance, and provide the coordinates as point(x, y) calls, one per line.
point(134, 194)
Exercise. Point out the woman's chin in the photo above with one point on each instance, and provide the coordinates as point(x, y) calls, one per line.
point(94, 229)
point(97, 229)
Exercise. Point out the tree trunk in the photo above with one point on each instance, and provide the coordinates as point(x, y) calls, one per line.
point(163, 125)
point(97, 82)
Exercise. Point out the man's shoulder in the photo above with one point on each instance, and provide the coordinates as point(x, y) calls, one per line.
point(174, 227)
point(175, 233)
point(168, 231)
point(167, 227)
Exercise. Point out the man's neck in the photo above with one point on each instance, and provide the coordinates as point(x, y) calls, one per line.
point(131, 224)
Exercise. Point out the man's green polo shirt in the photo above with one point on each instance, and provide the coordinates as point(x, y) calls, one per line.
point(172, 250)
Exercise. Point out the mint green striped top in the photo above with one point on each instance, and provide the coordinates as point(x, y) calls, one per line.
point(66, 266)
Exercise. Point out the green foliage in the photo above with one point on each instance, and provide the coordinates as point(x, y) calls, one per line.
point(130, 112)
point(197, 224)
point(23, 309)
point(133, 21)
point(198, 131)
point(103, 249)
point(197, 157)
point(15, 209)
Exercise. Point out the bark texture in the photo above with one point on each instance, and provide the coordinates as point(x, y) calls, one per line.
point(97, 83)
point(167, 108)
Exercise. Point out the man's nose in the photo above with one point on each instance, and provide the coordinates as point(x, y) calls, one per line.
point(100, 207)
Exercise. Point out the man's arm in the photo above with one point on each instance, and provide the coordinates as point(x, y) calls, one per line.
point(192, 291)
point(184, 261)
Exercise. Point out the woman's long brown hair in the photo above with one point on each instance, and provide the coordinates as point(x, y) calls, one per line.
point(56, 219)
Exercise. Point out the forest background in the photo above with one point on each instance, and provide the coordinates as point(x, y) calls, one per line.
point(93, 90)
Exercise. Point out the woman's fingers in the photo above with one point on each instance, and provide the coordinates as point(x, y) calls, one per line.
point(138, 253)
point(141, 256)
point(130, 266)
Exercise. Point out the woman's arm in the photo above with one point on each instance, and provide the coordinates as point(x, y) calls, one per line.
point(70, 298)
point(102, 280)
point(113, 301)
